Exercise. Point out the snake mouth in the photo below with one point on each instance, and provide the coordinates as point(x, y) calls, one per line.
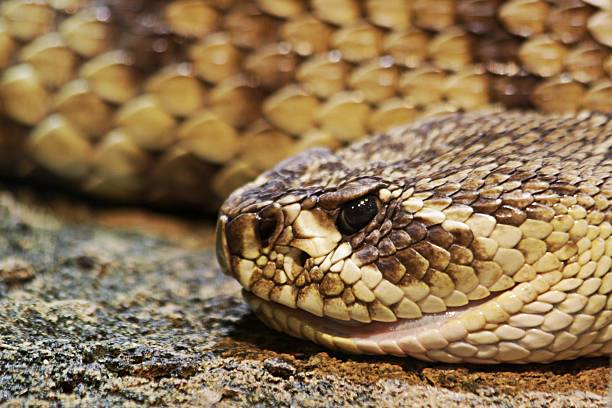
point(354, 329)
point(361, 338)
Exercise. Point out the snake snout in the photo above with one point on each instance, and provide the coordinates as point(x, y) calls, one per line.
point(221, 247)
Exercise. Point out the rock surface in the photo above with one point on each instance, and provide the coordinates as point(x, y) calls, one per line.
point(114, 308)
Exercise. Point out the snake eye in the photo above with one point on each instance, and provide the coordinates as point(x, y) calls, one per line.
point(357, 213)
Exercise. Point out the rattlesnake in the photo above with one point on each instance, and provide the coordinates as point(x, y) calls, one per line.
point(479, 237)
point(502, 213)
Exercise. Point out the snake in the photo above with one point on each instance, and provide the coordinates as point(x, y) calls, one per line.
point(473, 227)
point(480, 238)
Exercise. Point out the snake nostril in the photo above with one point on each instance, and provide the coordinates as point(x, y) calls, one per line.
point(266, 226)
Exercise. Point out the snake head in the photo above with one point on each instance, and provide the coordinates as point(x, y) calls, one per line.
point(442, 251)
point(292, 250)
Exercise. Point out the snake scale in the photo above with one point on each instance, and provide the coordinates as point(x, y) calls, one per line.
point(453, 236)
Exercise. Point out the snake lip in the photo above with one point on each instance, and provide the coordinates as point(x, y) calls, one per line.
point(375, 331)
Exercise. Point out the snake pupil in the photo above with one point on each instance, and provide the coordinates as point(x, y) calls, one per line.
point(357, 213)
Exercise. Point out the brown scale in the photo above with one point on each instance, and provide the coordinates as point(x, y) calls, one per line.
point(386, 247)
point(440, 237)
point(246, 76)
point(416, 265)
point(392, 269)
point(479, 16)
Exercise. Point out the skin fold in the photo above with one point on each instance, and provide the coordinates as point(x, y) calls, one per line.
point(490, 241)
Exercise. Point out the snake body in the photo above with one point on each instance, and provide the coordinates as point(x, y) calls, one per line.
point(179, 102)
point(473, 237)
point(490, 242)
